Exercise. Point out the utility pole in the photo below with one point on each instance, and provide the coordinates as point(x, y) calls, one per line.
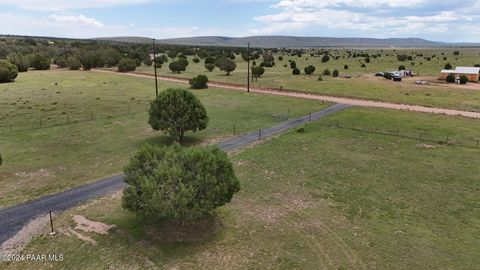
point(248, 68)
point(155, 68)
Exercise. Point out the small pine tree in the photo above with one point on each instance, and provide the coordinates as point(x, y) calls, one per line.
point(335, 73)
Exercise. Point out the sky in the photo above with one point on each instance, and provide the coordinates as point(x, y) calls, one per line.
point(438, 20)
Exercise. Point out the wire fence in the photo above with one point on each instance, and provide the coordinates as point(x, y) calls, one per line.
point(20, 122)
point(33, 121)
point(435, 137)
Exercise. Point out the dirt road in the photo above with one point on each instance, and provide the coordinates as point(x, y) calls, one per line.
point(348, 101)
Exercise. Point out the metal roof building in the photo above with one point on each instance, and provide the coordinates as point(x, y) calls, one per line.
point(472, 73)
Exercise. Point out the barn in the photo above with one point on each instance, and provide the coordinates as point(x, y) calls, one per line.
point(472, 73)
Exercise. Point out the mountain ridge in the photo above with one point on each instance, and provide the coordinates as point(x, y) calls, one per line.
point(294, 41)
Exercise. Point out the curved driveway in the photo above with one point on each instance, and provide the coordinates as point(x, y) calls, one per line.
point(12, 219)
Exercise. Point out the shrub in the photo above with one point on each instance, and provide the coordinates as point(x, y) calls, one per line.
point(320, 78)
point(61, 62)
point(363, 66)
point(180, 183)
point(183, 61)
point(176, 111)
point(402, 67)
point(137, 62)
point(73, 63)
point(301, 129)
point(159, 60)
point(450, 78)
point(309, 70)
point(147, 62)
point(39, 62)
point(88, 61)
point(177, 67)
point(345, 67)
point(402, 57)
point(210, 66)
point(463, 79)
point(293, 65)
point(296, 71)
point(210, 60)
point(226, 64)
point(196, 60)
point(21, 61)
point(8, 71)
point(326, 72)
point(325, 58)
point(199, 82)
point(257, 72)
point(335, 73)
point(456, 53)
point(126, 65)
point(280, 58)
point(448, 66)
point(367, 60)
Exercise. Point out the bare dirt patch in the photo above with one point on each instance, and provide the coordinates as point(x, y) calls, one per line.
point(37, 174)
point(86, 225)
point(428, 146)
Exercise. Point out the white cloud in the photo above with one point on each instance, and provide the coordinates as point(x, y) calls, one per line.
point(60, 5)
point(79, 20)
point(378, 17)
point(302, 5)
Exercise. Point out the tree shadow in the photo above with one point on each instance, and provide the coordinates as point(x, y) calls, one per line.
point(173, 231)
point(169, 140)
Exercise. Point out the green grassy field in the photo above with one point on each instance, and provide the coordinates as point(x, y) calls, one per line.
point(40, 161)
point(362, 84)
point(328, 198)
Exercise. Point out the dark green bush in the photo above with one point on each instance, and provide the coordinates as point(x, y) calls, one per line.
point(126, 65)
point(463, 79)
point(177, 67)
point(8, 71)
point(61, 62)
point(174, 182)
point(39, 62)
point(335, 73)
point(73, 63)
point(21, 61)
point(199, 82)
point(309, 69)
point(296, 71)
point(257, 72)
point(450, 78)
point(210, 66)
